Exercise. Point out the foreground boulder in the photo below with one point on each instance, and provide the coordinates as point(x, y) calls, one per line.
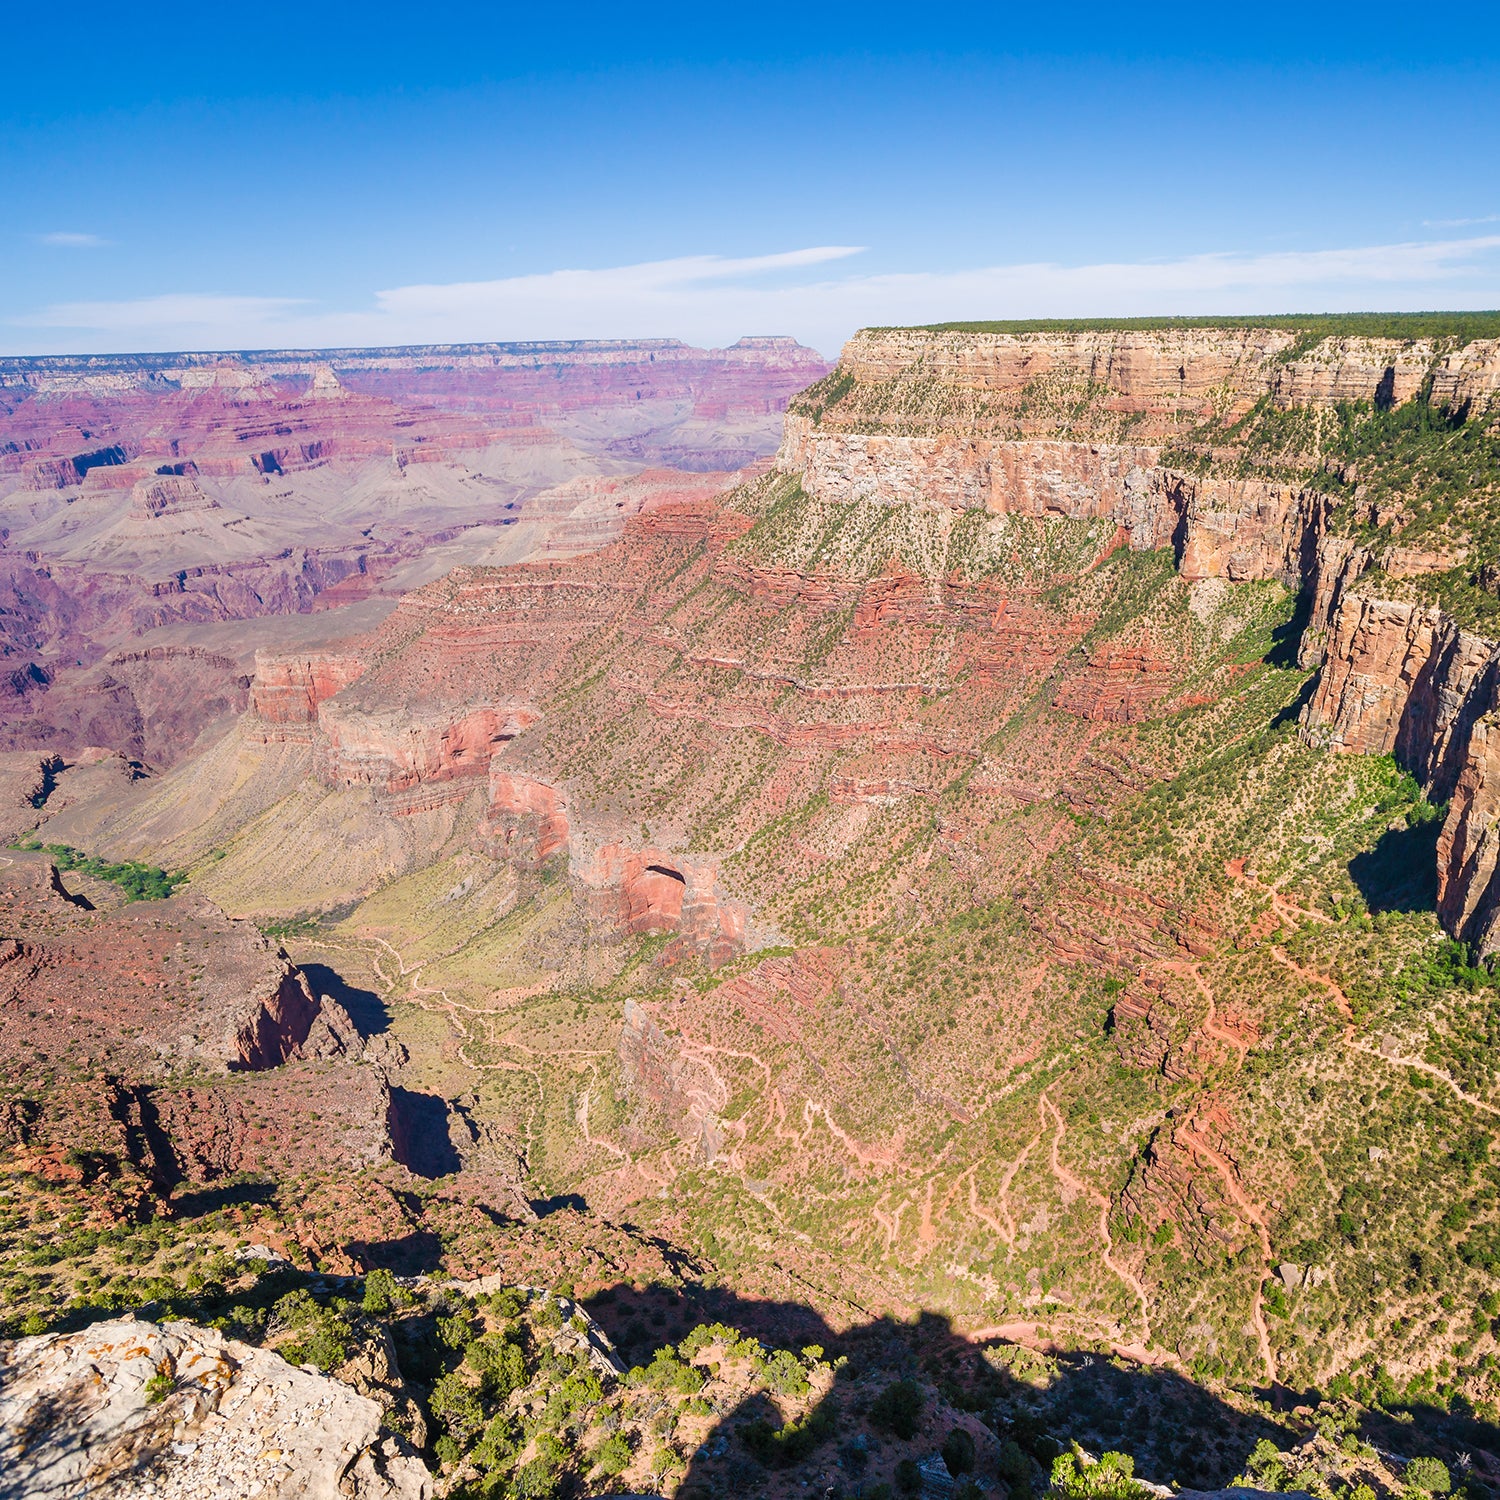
point(129, 1408)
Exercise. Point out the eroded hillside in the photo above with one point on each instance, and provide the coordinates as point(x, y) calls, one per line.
point(1024, 858)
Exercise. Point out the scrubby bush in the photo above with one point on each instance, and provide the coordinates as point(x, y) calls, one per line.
point(1430, 1475)
point(139, 882)
point(499, 1362)
point(455, 1403)
point(1015, 1468)
point(793, 1441)
point(612, 1457)
point(958, 1452)
point(667, 1372)
point(536, 1480)
point(455, 1332)
point(382, 1293)
point(1110, 1477)
point(898, 1409)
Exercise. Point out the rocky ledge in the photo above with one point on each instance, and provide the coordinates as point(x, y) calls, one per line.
point(129, 1408)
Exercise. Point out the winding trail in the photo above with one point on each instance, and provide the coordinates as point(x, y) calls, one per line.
point(451, 1008)
point(1211, 1024)
point(1311, 976)
point(1196, 1141)
point(1235, 870)
point(1078, 1185)
point(1007, 1231)
point(1421, 1065)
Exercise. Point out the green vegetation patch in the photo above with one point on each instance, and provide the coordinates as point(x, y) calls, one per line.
point(140, 882)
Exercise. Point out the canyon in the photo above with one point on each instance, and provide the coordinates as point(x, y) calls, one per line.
point(151, 507)
point(1020, 852)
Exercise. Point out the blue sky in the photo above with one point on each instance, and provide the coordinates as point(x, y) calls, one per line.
point(192, 177)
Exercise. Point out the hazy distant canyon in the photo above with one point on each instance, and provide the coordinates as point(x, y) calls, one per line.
point(149, 505)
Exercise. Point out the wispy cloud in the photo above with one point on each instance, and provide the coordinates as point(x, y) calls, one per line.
point(713, 299)
point(183, 310)
point(1460, 223)
point(71, 239)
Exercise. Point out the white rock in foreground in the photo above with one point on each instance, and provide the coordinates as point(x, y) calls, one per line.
point(77, 1417)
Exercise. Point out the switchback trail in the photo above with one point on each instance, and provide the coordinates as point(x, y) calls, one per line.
point(1078, 1185)
point(1197, 1142)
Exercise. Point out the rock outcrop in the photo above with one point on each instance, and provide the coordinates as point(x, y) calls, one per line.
point(527, 819)
point(287, 689)
point(131, 1408)
point(189, 1046)
point(417, 755)
point(656, 891)
point(1403, 679)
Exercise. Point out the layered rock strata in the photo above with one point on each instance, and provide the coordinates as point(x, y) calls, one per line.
point(1402, 679)
point(1073, 425)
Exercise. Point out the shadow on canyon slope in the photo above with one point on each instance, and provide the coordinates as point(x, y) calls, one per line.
point(541, 1207)
point(366, 1009)
point(1020, 1409)
point(1400, 872)
point(420, 1138)
point(206, 1200)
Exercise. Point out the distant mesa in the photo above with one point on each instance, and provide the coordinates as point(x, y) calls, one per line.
point(168, 495)
point(326, 386)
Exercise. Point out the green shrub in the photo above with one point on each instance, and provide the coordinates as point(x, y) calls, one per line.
point(455, 1403)
point(381, 1292)
point(1266, 1466)
point(497, 1445)
point(1015, 1468)
point(783, 1373)
point(455, 1332)
point(793, 1441)
point(139, 882)
point(1109, 1477)
point(667, 1372)
point(612, 1457)
point(958, 1452)
point(898, 1409)
point(1430, 1475)
point(499, 1362)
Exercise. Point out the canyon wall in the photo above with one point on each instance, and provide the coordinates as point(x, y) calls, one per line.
point(1075, 425)
point(1402, 679)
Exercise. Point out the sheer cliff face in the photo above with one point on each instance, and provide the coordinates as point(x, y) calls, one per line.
point(1075, 425)
point(1083, 426)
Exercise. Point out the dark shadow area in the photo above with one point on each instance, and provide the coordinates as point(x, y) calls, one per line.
point(904, 1387)
point(419, 1134)
point(541, 1207)
point(1293, 711)
point(410, 1255)
point(1385, 391)
point(366, 1008)
point(209, 1200)
point(1400, 872)
point(1286, 638)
